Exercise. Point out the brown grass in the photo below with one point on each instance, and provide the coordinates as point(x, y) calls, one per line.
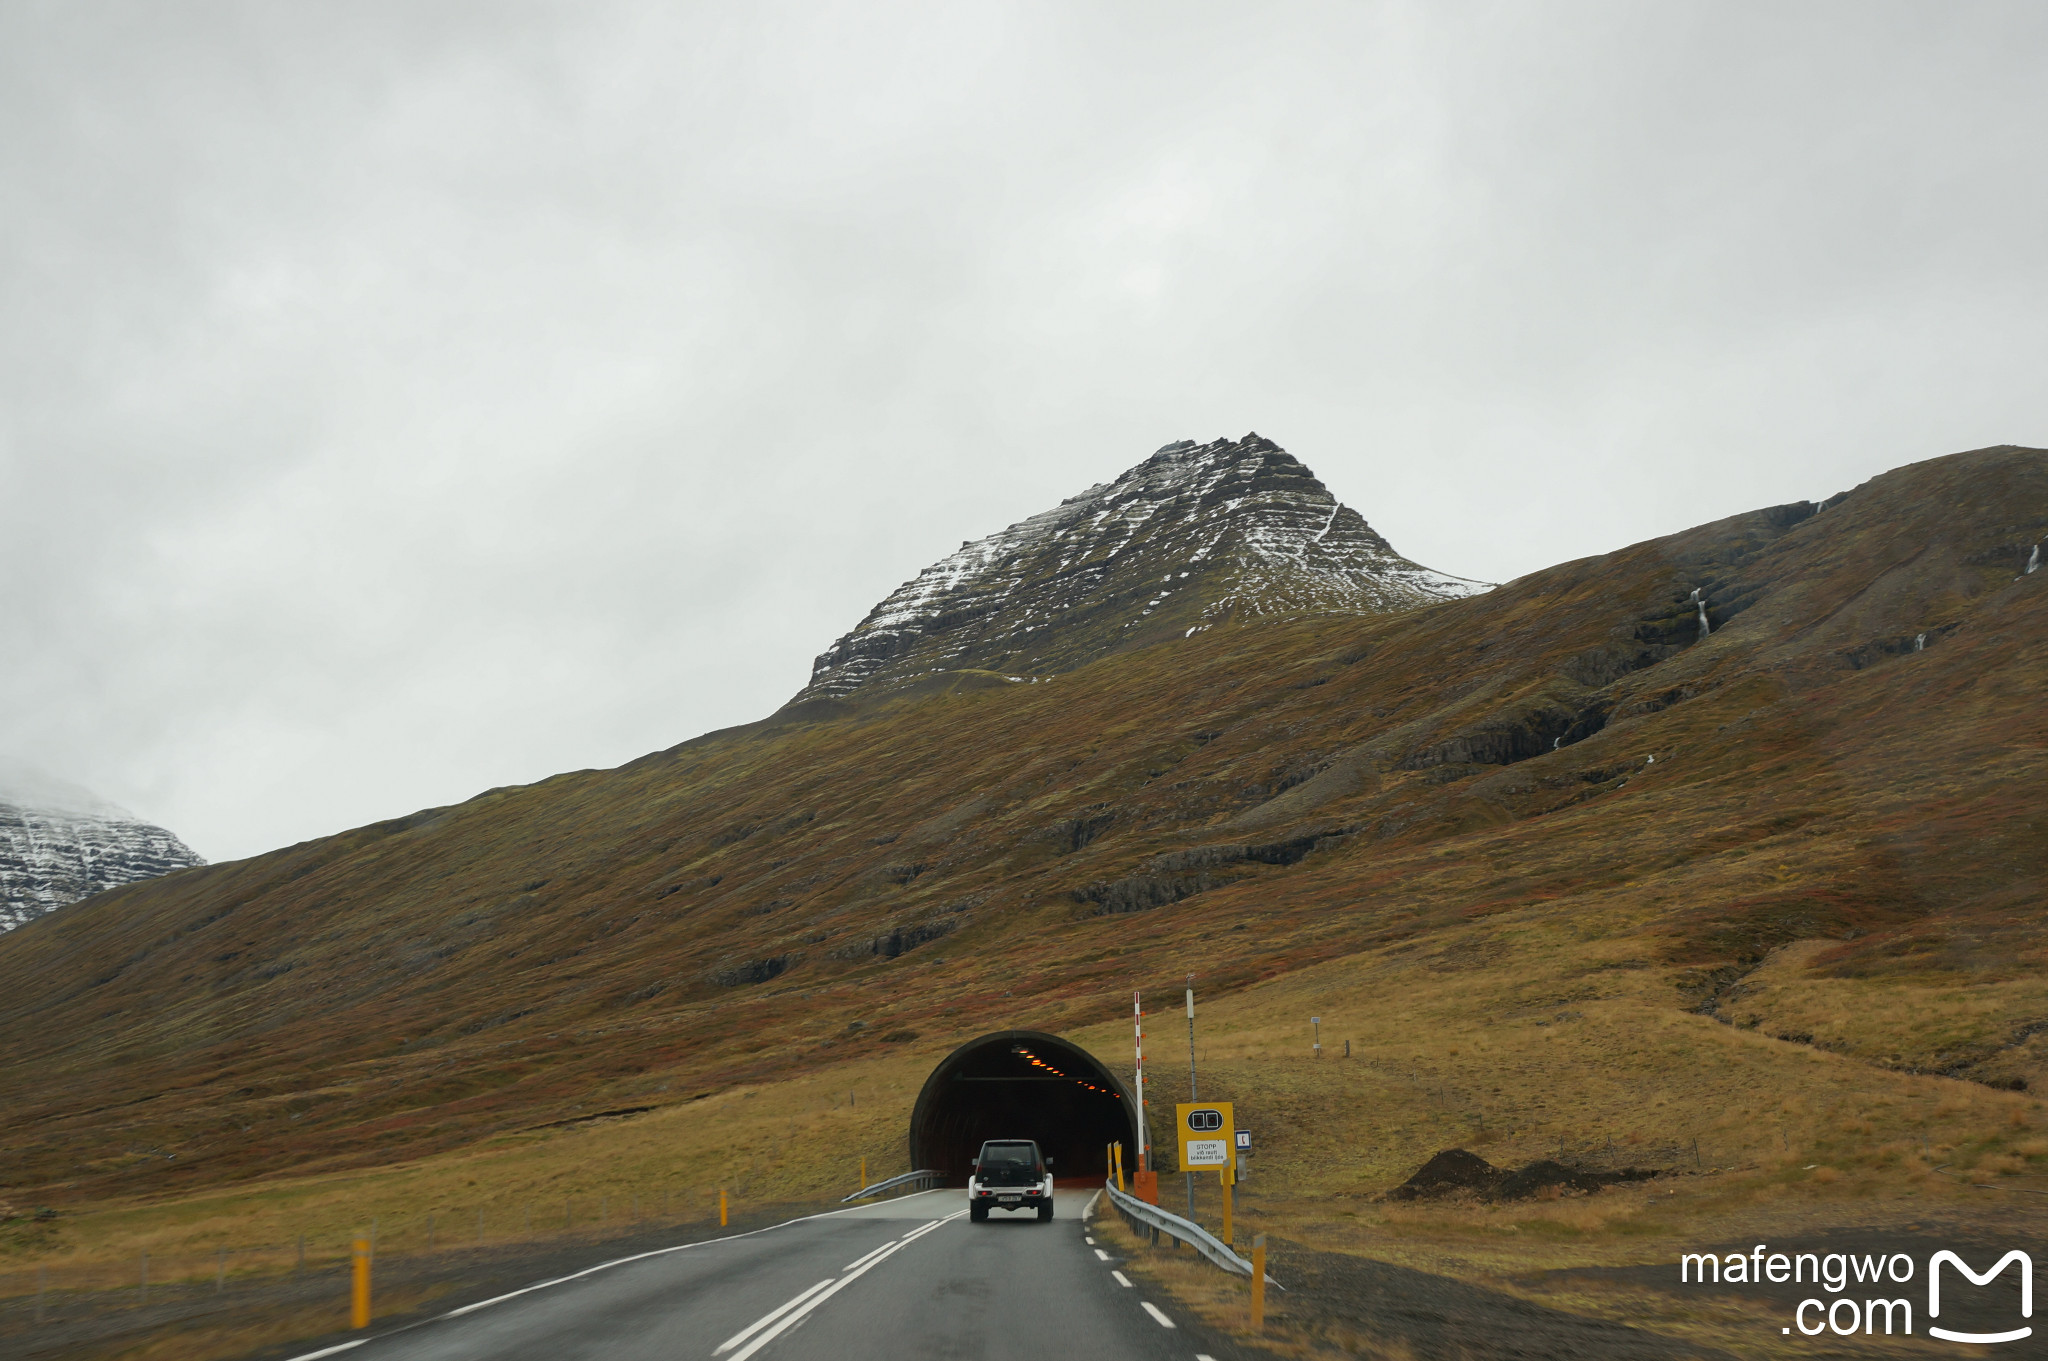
point(1805, 938)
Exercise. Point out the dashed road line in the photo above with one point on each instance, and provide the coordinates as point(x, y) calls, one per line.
point(1158, 1316)
point(762, 1322)
point(607, 1266)
point(1103, 1255)
point(858, 1260)
point(793, 1314)
point(1122, 1279)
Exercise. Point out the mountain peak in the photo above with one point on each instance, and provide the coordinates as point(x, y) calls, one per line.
point(60, 842)
point(1194, 535)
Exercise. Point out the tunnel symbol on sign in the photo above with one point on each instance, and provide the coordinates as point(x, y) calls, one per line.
point(1205, 1120)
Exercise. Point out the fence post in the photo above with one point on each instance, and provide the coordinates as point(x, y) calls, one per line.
point(721, 1207)
point(359, 1287)
point(1258, 1282)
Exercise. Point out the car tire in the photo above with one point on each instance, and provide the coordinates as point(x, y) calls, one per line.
point(1045, 1213)
point(978, 1213)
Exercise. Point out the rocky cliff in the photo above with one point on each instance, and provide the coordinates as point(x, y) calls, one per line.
point(60, 843)
point(1195, 534)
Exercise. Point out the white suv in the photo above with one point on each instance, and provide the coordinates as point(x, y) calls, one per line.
point(1010, 1174)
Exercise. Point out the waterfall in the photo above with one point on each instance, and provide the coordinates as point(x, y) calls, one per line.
point(2033, 560)
point(1701, 606)
point(1556, 742)
point(1919, 642)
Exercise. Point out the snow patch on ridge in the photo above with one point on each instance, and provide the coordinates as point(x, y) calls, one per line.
point(60, 843)
point(1245, 515)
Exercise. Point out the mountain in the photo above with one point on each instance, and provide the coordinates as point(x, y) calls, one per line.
point(60, 843)
point(1710, 825)
point(1195, 535)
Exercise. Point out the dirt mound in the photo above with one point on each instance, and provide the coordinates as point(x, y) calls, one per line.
point(1457, 1170)
point(1542, 1175)
point(1451, 1171)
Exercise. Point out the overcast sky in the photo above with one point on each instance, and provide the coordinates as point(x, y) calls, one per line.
point(398, 400)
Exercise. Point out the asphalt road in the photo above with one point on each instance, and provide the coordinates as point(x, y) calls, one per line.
point(907, 1278)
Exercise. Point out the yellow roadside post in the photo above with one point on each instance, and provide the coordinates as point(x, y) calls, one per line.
point(721, 1207)
point(1119, 1166)
point(1259, 1281)
point(1223, 1175)
point(359, 1292)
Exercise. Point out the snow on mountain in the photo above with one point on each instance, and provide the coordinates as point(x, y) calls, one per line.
point(1194, 535)
point(60, 843)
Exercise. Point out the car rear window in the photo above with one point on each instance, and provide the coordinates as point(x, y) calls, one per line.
point(1007, 1155)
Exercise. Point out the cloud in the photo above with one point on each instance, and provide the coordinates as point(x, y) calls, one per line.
point(397, 401)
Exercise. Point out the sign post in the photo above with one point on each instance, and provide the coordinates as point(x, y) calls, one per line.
point(1224, 1176)
point(1258, 1282)
point(1194, 1093)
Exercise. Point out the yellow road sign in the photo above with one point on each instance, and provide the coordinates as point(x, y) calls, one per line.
point(1207, 1135)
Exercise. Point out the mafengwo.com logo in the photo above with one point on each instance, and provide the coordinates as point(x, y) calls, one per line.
point(1873, 1294)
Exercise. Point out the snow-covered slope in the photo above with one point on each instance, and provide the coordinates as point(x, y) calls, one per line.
point(60, 843)
point(1190, 537)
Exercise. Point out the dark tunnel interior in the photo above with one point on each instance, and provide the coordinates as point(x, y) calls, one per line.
point(1021, 1084)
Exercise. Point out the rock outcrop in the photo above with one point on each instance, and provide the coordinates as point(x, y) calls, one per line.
point(60, 843)
point(1195, 534)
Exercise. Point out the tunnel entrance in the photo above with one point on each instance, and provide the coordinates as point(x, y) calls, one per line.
point(1021, 1084)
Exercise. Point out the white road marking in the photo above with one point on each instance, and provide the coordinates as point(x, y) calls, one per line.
point(1157, 1317)
point(858, 1260)
point(1122, 1279)
point(800, 1308)
point(1204, 1356)
point(927, 1228)
point(762, 1322)
point(798, 1315)
point(1089, 1241)
point(621, 1261)
point(1103, 1255)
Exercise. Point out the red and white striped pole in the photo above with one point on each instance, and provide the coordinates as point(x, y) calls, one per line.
point(1138, 1028)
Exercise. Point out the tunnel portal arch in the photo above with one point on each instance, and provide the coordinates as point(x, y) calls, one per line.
point(1022, 1084)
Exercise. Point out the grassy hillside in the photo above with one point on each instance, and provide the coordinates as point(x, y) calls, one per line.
point(1561, 870)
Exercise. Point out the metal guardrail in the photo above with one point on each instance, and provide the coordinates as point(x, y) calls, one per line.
point(1137, 1213)
point(923, 1176)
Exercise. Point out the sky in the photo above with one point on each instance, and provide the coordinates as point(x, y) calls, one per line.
point(399, 400)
